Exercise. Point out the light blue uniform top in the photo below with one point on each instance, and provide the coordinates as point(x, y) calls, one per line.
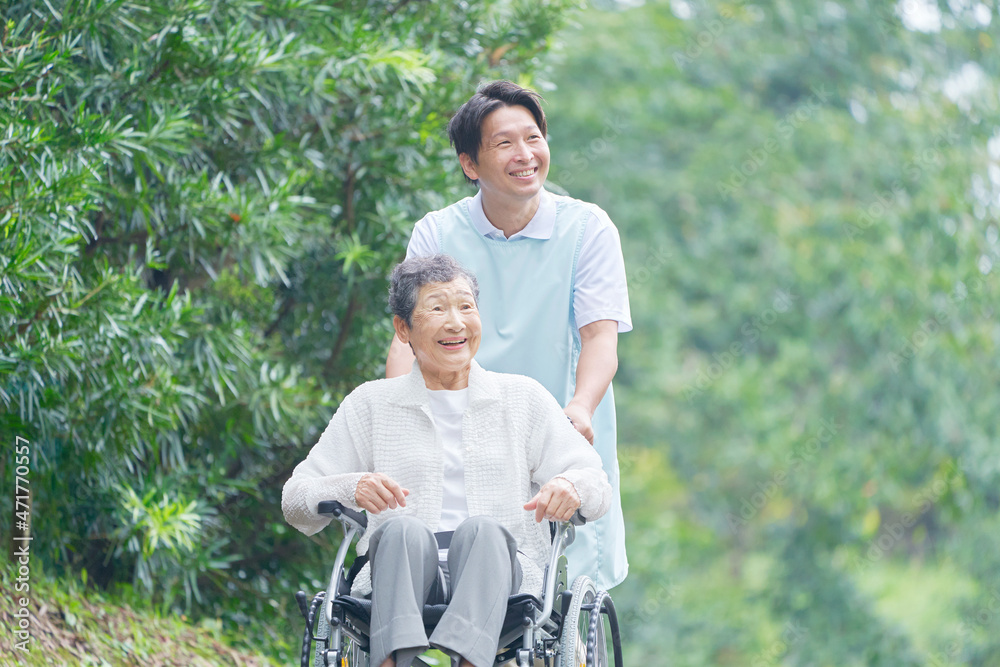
point(526, 304)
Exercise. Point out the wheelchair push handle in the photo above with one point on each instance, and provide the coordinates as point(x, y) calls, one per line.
point(577, 520)
point(336, 509)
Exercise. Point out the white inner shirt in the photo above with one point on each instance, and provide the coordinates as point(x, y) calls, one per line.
point(448, 407)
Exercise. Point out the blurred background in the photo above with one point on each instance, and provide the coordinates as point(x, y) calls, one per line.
point(200, 201)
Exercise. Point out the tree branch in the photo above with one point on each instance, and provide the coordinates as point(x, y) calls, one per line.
point(395, 8)
point(155, 74)
point(286, 308)
point(345, 327)
point(41, 75)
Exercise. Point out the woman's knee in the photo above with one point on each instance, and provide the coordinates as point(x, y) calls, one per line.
point(406, 529)
point(476, 526)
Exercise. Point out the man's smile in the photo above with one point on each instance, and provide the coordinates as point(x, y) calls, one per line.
point(525, 173)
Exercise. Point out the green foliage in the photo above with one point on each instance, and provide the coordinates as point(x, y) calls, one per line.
point(808, 205)
point(200, 202)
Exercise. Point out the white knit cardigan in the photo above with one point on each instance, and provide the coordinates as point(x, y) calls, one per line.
point(515, 438)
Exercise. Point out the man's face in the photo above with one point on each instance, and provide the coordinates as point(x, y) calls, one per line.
point(513, 156)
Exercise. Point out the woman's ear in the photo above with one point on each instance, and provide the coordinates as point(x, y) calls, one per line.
point(402, 331)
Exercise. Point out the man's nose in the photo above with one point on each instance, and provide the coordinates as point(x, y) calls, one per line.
point(522, 151)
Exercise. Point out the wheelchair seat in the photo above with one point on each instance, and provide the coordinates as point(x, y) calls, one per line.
point(361, 610)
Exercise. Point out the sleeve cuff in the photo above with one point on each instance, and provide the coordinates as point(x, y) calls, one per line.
point(341, 488)
point(623, 320)
point(595, 495)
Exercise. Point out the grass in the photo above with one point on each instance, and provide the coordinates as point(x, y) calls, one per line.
point(74, 625)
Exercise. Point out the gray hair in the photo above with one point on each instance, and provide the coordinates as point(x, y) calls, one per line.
point(412, 274)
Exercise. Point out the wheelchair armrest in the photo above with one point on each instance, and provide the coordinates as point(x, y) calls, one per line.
point(334, 508)
point(355, 523)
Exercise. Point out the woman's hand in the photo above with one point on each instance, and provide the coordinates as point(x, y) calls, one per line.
point(556, 501)
point(377, 492)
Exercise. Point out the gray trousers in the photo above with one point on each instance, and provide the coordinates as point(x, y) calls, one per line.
point(483, 572)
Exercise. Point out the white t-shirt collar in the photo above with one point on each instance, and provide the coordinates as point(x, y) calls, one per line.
point(539, 227)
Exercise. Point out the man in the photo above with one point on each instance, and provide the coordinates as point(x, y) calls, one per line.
point(553, 295)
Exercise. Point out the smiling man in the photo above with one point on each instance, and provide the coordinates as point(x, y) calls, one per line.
point(553, 296)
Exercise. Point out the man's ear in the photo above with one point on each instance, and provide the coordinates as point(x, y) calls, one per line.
point(402, 331)
point(468, 166)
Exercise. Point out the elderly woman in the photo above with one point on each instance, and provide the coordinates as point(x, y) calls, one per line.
point(448, 453)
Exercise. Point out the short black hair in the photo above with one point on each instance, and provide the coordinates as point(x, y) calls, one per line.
point(412, 274)
point(465, 129)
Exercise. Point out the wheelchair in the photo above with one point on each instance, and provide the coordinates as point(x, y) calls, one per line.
point(568, 627)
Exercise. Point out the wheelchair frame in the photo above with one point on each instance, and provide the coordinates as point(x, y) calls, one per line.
point(572, 636)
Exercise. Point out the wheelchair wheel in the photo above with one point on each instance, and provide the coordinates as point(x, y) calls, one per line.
point(351, 655)
point(322, 638)
point(584, 641)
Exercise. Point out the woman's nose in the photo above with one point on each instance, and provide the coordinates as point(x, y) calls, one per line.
point(452, 321)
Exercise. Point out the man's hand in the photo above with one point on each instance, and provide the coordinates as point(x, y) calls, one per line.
point(556, 501)
point(377, 492)
point(579, 416)
point(597, 366)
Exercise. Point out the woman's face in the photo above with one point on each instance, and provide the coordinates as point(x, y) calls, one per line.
point(446, 330)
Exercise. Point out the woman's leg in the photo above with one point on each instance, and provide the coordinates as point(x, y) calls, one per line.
point(482, 564)
point(404, 559)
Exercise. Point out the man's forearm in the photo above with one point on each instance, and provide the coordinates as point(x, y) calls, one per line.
point(598, 363)
point(400, 359)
